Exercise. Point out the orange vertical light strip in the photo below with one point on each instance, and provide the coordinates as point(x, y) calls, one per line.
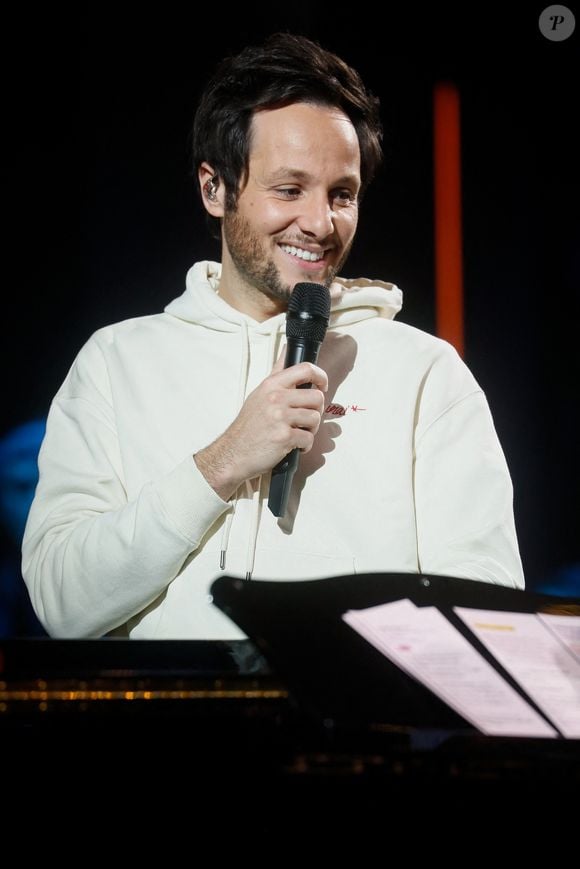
point(448, 234)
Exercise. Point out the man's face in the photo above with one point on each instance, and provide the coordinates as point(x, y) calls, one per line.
point(297, 214)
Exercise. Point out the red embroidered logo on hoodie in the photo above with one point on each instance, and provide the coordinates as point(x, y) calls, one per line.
point(342, 410)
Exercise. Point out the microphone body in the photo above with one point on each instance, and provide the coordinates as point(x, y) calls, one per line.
point(306, 323)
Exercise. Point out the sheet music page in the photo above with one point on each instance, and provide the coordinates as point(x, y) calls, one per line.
point(566, 628)
point(423, 642)
point(544, 667)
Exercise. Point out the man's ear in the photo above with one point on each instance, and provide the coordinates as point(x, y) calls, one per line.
point(212, 190)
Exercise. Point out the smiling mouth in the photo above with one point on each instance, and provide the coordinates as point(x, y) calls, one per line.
point(306, 256)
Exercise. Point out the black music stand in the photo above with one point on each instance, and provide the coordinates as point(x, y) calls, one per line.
point(333, 672)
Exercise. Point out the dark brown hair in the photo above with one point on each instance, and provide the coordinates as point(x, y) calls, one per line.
point(285, 69)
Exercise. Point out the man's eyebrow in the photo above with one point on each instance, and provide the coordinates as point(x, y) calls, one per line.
point(285, 173)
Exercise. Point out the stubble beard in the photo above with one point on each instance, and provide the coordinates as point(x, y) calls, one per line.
point(257, 269)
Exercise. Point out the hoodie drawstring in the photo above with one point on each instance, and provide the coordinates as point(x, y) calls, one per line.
point(245, 354)
point(257, 494)
point(254, 522)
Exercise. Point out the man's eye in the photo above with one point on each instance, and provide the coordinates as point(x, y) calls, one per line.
point(289, 192)
point(344, 196)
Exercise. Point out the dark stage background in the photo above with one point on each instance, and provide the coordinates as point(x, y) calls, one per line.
point(103, 220)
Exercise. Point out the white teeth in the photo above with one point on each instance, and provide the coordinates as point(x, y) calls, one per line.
point(307, 255)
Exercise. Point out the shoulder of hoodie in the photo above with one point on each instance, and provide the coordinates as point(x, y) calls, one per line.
point(92, 359)
point(142, 328)
point(415, 350)
point(393, 336)
point(142, 325)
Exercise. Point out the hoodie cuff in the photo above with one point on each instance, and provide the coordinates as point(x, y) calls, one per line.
point(189, 500)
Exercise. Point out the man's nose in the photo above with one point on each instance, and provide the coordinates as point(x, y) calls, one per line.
point(316, 216)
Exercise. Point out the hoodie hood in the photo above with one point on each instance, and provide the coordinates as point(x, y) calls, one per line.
point(352, 300)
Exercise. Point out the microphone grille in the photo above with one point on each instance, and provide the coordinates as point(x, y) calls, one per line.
point(308, 312)
point(310, 300)
point(312, 330)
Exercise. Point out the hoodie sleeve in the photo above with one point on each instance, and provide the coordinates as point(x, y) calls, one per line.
point(463, 490)
point(91, 558)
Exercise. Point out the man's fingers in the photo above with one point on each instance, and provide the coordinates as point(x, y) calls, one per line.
point(306, 419)
point(307, 398)
point(304, 372)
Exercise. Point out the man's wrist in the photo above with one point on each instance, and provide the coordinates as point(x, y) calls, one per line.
point(214, 465)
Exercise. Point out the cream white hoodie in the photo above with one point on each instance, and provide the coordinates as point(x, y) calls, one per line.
point(126, 535)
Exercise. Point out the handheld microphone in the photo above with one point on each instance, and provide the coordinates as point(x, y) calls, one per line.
point(306, 324)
